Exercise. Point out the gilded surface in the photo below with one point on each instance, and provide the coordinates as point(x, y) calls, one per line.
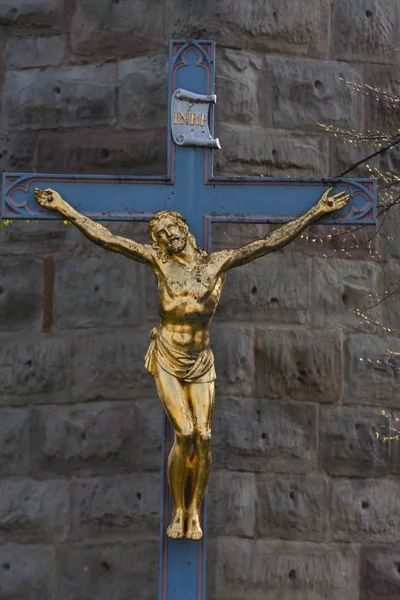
point(190, 282)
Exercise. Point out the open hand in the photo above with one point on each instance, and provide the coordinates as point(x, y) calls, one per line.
point(327, 203)
point(48, 198)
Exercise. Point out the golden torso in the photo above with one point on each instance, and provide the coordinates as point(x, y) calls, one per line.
point(187, 299)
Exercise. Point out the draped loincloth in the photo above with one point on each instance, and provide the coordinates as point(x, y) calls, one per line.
point(189, 367)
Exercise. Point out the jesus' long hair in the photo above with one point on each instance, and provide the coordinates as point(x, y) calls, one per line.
point(183, 226)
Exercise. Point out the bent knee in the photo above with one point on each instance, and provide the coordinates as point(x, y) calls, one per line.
point(204, 435)
point(186, 435)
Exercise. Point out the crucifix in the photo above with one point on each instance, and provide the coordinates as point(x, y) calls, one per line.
point(181, 208)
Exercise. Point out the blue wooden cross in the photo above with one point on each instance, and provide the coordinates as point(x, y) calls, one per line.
point(189, 188)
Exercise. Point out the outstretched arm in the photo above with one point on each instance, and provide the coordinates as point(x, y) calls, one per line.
point(95, 232)
point(281, 236)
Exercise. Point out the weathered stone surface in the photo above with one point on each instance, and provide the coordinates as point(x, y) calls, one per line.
point(16, 152)
point(34, 51)
point(348, 443)
point(33, 511)
point(268, 152)
point(260, 569)
point(141, 152)
point(96, 291)
point(148, 435)
point(276, 26)
point(109, 571)
point(35, 368)
point(390, 240)
point(231, 504)
point(345, 154)
point(109, 365)
point(233, 347)
point(39, 238)
point(380, 577)
point(365, 31)
point(67, 97)
point(303, 365)
point(394, 445)
point(379, 114)
point(339, 287)
point(102, 28)
point(275, 288)
point(391, 305)
point(238, 86)
point(371, 374)
point(264, 435)
point(27, 572)
point(21, 294)
point(344, 242)
point(365, 510)
point(86, 439)
point(28, 13)
point(143, 92)
point(115, 507)
point(292, 507)
point(15, 438)
point(301, 93)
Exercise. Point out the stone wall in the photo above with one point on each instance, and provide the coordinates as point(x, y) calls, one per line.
point(303, 502)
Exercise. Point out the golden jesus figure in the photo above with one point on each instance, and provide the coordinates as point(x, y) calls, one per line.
point(190, 282)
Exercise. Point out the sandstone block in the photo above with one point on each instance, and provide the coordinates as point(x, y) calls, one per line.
point(270, 153)
point(148, 436)
point(30, 13)
point(108, 571)
point(238, 82)
point(390, 241)
point(86, 439)
point(66, 97)
point(96, 291)
point(141, 152)
point(27, 572)
point(33, 511)
point(274, 288)
point(21, 294)
point(120, 28)
point(276, 26)
point(341, 242)
point(301, 93)
point(365, 510)
point(394, 446)
point(234, 235)
point(380, 579)
point(302, 365)
point(39, 238)
point(364, 31)
point(35, 368)
point(264, 435)
point(292, 507)
point(110, 365)
point(143, 92)
point(340, 287)
point(348, 444)
point(16, 152)
point(115, 507)
point(379, 114)
point(260, 569)
point(231, 504)
point(371, 376)
point(391, 306)
point(34, 51)
point(15, 438)
point(233, 347)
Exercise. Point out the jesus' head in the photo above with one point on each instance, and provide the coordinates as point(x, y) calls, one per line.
point(170, 234)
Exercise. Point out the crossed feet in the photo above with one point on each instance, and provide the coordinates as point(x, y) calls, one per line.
point(176, 530)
